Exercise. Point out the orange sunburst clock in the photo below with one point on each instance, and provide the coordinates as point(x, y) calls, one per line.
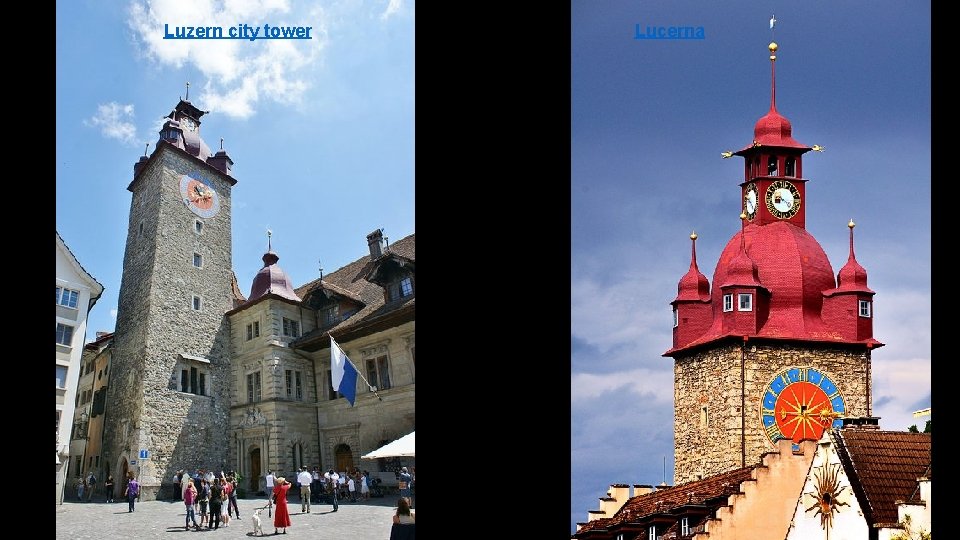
point(799, 403)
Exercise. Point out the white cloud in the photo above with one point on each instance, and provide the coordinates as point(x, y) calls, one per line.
point(585, 386)
point(238, 73)
point(392, 8)
point(115, 121)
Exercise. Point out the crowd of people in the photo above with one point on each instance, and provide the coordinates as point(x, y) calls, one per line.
point(214, 498)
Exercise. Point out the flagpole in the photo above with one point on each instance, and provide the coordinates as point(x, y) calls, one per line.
point(359, 373)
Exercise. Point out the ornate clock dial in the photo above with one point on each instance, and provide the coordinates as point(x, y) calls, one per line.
point(188, 123)
point(783, 199)
point(750, 201)
point(199, 197)
point(799, 403)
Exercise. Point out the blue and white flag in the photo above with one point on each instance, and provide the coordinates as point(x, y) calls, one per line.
point(773, 21)
point(343, 372)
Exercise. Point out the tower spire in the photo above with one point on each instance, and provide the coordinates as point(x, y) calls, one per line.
point(851, 224)
point(269, 234)
point(773, 72)
point(188, 93)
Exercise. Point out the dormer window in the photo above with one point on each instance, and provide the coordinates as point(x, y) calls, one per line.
point(401, 288)
point(406, 287)
point(685, 529)
point(865, 308)
point(744, 302)
point(727, 302)
point(330, 314)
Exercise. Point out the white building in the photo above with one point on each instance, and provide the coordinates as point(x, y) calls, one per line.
point(77, 292)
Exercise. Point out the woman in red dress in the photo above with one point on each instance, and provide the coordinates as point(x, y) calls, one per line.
point(281, 517)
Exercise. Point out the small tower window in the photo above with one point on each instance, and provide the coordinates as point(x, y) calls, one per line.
point(728, 302)
point(745, 302)
point(676, 318)
point(198, 260)
point(772, 166)
point(865, 308)
point(197, 303)
point(140, 229)
point(789, 169)
point(198, 226)
point(704, 418)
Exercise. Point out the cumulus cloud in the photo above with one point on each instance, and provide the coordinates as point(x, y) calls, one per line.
point(392, 8)
point(238, 74)
point(115, 121)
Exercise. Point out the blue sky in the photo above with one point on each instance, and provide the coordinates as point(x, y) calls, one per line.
point(321, 131)
point(649, 120)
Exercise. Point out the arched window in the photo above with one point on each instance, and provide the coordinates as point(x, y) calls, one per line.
point(772, 166)
point(789, 169)
point(343, 458)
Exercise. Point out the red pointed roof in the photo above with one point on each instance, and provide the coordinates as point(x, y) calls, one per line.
point(693, 285)
point(272, 279)
point(852, 276)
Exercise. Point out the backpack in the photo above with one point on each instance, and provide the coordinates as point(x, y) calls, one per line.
point(93, 480)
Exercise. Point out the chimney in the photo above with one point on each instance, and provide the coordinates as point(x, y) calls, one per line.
point(375, 243)
point(641, 489)
point(620, 493)
point(861, 422)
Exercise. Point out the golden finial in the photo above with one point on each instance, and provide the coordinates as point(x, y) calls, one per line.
point(726, 154)
point(693, 235)
point(817, 148)
point(851, 224)
point(773, 50)
point(743, 215)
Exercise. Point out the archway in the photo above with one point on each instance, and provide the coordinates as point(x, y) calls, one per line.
point(343, 458)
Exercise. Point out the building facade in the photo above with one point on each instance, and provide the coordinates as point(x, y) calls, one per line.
point(201, 376)
point(77, 292)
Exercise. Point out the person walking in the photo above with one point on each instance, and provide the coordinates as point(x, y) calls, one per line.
point(132, 491)
point(189, 497)
point(332, 486)
point(404, 485)
point(216, 504)
point(270, 482)
point(91, 485)
point(108, 488)
point(177, 487)
point(281, 518)
point(232, 499)
point(364, 486)
point(304, 479)
point(352, 488)
point(81, 482)
point(202, 500)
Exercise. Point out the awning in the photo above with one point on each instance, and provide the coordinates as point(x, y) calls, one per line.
point(402, 447)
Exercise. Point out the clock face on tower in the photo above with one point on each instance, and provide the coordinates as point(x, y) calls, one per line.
point(750, 201)
point(799, 403)
point(199, 197)
point(783, 199)
point(188, 123)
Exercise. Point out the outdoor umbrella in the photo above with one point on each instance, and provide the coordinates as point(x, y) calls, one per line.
point(402, 447)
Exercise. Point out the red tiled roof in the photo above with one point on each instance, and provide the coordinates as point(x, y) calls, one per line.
point(883, 467)
point(711, 491)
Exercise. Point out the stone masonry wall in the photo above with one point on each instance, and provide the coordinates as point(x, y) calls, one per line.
point(181, 430)
point(707, 444)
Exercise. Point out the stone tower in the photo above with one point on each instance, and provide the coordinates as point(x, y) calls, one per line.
point(779, 348)
point(169, 389)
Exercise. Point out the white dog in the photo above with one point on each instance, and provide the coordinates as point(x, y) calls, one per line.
point(257, 524)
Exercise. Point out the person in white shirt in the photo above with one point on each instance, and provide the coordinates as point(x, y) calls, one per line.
point(304, 478)
point(270, 478)
point(364, 486)
point(352, 488)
